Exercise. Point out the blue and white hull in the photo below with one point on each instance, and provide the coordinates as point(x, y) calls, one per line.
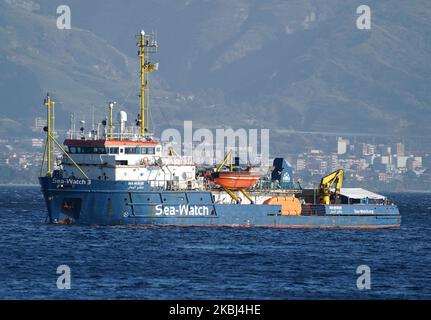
point(98, 202)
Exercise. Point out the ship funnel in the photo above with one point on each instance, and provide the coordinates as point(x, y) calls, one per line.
point(122, 119)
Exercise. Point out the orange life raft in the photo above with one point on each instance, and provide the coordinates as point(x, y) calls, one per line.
point(235, 180)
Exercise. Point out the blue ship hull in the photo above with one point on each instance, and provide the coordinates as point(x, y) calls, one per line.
point(96, 202)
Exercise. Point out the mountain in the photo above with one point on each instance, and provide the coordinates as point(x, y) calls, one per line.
point(79, 68)
point(297, 65)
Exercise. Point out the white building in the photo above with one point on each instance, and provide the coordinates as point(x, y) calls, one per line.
point(342, 146)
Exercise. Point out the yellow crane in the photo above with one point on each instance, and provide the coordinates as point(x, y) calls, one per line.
point(326, 184)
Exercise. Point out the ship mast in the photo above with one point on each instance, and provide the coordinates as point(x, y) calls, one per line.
point(147, 44)
point(49, 128)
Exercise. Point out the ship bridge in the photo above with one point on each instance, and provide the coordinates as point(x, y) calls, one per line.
point(121, 160)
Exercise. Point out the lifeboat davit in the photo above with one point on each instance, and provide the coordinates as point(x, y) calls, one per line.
point(235, 180)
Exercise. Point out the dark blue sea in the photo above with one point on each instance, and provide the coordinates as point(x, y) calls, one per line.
point(210, 263)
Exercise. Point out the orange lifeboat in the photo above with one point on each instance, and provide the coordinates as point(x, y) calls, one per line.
point(235, 180)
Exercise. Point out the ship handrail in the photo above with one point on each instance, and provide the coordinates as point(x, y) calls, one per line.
point(128, 135)
point(172, 185)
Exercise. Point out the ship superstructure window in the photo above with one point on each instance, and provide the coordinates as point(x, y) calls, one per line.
point(132, 150)
point(113, 150)
point(147, 150)
point(87, 150)
point(99, 150)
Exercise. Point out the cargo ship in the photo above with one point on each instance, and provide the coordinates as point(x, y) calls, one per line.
point(121, 176)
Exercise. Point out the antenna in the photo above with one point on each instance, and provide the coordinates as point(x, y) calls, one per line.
point(82, 129)
point(111, 125)
point(92, 118)
point(71, 126)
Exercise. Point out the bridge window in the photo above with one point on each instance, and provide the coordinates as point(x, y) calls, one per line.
point(113, 150)
point(72, 150)
point(147, 150)
point(99, 150)
point(131, 150)
point(87, 150)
